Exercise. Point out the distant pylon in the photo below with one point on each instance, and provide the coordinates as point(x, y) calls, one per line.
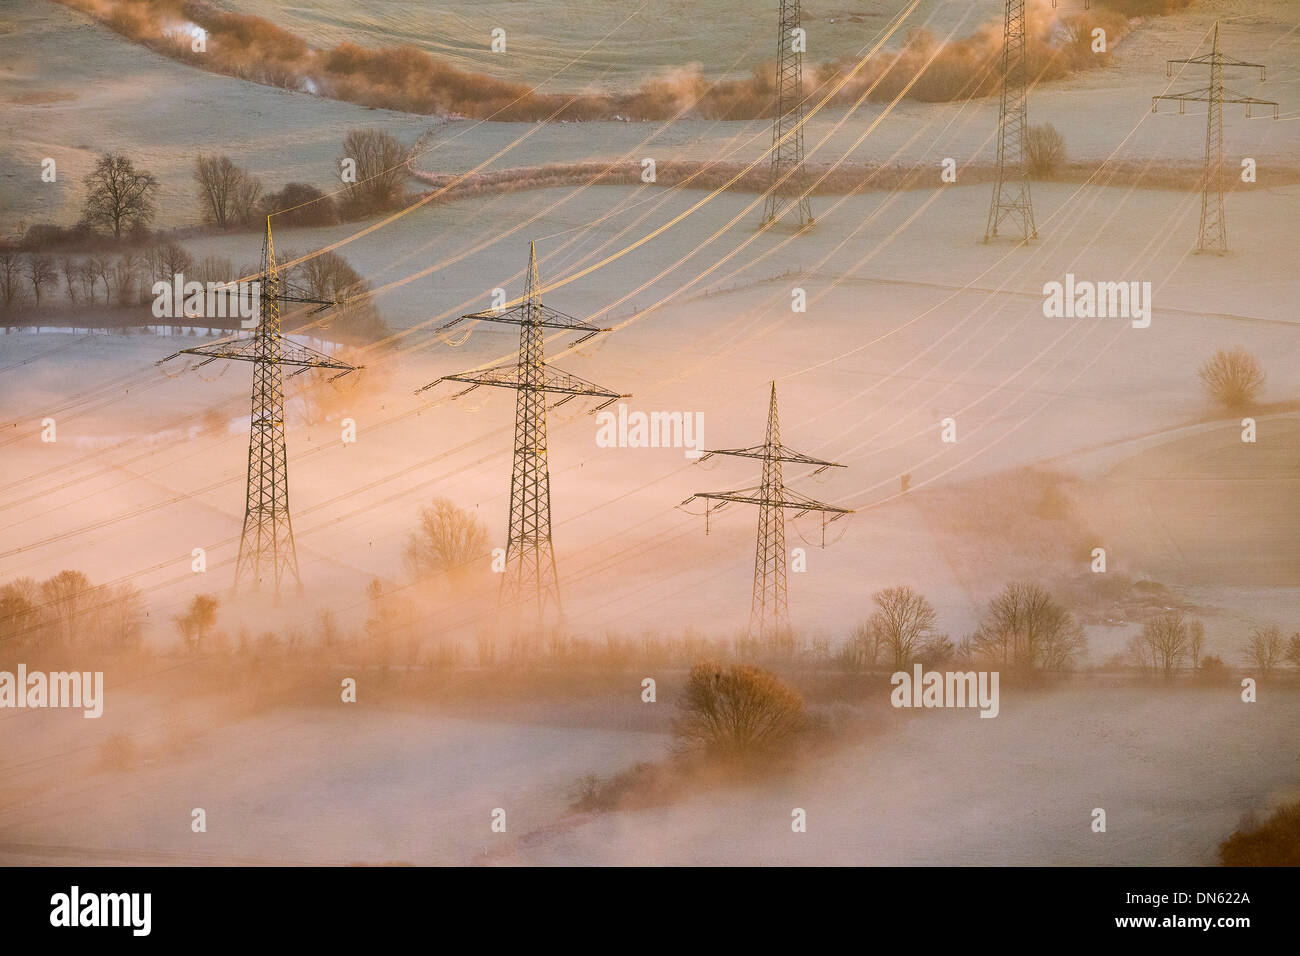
point(788, 181)
point(266, 547)
point(1213, 233)
point(769, 611)
point(530, 574)
point(1011, 196)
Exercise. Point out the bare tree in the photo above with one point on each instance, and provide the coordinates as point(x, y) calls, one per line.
point(101, 270)
point(865, 646)
point(380, 170)
point(65, 594)
point(40, 273)
point(1167, 638)
point(902, 624)
point(1025, 628)
point(120, 615)
point(197, 621)
point(1265, 648)
point(448, 539)
point(126, 274)
point(86, 278)
point(20, 612)
point(71, 270)
point(1232, 377)
point(119, 196)
point(1293, 649)
point(11, 287)
point(1195, 642)
point(329, 276)
point(168, 258)
point(228, 195)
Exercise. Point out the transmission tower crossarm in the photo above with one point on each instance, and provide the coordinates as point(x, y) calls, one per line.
point(777, 453)
point(538, 315)
point(796, 504)
point(1207, 96)
point(554, 381)
point(291, 353)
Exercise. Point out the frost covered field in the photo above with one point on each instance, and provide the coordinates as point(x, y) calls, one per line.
point(1071, 434)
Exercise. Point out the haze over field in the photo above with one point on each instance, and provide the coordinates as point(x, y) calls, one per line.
point(1070, 435)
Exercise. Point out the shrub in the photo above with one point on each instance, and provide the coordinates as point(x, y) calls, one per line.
point(1045, 149)
point(1232, 377)
point(299, 204)
point(119, 752)
point(1276, 842)
point(738, 712)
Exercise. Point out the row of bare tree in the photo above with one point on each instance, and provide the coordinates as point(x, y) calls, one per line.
point(1023, 628)
point(66, 611)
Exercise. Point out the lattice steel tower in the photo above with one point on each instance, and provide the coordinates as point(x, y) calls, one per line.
point(530, 575)
point(788, 180)
point(1011, 198)
point(266, 548)
point(1213, 234)
point(769, 612)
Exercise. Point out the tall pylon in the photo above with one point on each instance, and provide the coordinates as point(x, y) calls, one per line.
point(769, 611)
point(1213, 233)
point(788, 181)
point(1011, 197)
point(266, 547)
point(531, 579)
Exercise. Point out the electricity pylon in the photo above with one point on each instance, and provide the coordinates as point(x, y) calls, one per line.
point(769, 612)
point(266, 548)
point(1213, 234)
point(1011, 198)
point(788, 180)
point(530, 574)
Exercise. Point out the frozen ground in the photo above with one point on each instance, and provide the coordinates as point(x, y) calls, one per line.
point(910, 320)
point(73, 89)
point(1174, 771)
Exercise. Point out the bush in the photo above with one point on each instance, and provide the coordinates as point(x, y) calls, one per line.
point(1045, 149)
point(1232, 377)
point(1274, 843)
point(299, 204)
point(738, 712)
point(119, 752)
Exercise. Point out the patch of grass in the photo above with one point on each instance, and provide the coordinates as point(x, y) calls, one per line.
point(1275, 842)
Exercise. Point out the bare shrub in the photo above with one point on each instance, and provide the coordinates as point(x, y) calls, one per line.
point(738, 712)
point(299, 204)
point(1232, 377)
point(1275, 842)
point(119, 752)
point(197, 621)
point(1045, 147)
point(447, 541)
